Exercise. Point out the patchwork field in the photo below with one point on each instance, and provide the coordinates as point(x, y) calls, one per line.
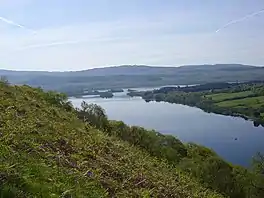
point(251, 102)
point(245, 99)
point(229, 96)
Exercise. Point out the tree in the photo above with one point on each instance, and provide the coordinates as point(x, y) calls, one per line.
point(258, 163)
point(94, 115)
point(4, 80)
point(256, 114)
point(159, 97)
point(58, 99)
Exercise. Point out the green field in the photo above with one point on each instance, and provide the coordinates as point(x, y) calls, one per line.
point(228, 96)
point(245, 100)
point(252, 102)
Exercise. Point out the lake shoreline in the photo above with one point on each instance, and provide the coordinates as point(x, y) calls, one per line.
point(244, 100)
point(225, 134)
point(247, 118)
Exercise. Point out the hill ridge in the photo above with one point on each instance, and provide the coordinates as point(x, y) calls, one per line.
point(132, 65)
point(74, 83)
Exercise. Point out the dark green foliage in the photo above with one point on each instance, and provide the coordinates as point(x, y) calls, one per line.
point(4, 80)
point(256, 114)
point(215, 173)
point(258, 163)
point(158, 145)
point(106, 94)
point(198, 162)
point(212, 171)
point(94, 115)
point(251, 182)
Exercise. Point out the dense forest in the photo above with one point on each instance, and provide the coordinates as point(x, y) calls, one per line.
point(51, 149)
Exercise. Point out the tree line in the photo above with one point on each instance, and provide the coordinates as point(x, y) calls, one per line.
point(202, 99)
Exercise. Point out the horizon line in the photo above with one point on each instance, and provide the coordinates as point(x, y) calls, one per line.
point(129, 65)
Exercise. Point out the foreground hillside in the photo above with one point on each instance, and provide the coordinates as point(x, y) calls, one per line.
point(46, 151)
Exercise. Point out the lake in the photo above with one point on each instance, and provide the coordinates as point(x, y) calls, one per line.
point(233, 138)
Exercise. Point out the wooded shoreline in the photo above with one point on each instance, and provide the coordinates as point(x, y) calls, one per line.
point(245, 100)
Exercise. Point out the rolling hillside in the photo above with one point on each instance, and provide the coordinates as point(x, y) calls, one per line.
point(135, 76)
point(46, 151)
point(50, 149)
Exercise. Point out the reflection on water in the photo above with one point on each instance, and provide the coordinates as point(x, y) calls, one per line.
point(235, 139)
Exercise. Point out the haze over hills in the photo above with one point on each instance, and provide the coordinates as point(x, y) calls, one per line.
point(137, 69)
point(127, 76)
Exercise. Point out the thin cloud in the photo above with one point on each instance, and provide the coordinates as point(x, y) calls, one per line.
point(240, 19)
point(50, 44)
point(71, 42)
point(16, 24)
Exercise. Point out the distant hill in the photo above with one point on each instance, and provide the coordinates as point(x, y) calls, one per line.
point(127, 76)
point(154, 70)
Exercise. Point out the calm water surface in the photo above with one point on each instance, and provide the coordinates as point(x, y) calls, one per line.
point(189, 124)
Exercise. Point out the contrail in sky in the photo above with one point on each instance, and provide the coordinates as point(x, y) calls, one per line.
point(16, 24)
point(51, 44)
point(240, 19)
point(70, 42)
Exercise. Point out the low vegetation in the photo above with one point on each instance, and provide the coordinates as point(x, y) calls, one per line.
point(198, 162)
point(47, 151)
point(50, 149)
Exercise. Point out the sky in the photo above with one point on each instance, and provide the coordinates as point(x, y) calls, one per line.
point(81, 34)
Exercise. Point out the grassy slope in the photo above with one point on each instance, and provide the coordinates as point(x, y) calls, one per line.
point(47, 152)
point(243, 102)
point(249, 103)
point(253, 102)
point(228, 96)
